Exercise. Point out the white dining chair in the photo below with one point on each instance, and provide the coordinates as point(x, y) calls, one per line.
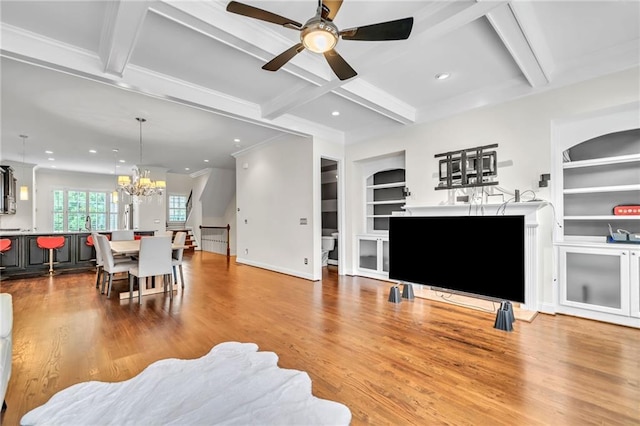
point(109, 264)
point(176, 261)
point(122, 235)
point(163, 233)
point(154, 259)
point(99, 260)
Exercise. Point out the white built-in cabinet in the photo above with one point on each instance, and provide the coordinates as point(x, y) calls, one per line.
point(384, 196)
point(596, 166)
point(373, 256)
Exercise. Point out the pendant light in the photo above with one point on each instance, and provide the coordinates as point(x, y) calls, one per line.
point(114, 194)
point(24, 189)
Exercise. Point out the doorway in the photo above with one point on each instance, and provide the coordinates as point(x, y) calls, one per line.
point(330, 214)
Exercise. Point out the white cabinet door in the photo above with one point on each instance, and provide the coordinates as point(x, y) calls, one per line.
point(634, 282)
point(373, 256)
point(595, 279)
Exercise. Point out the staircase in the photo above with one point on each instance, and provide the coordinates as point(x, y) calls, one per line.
point(190, 241)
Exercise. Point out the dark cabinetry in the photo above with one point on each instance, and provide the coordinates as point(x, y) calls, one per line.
point(37, 257)
point(11, 259)
point(8, 191)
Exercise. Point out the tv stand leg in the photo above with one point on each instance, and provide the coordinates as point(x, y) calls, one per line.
point(504, 317)
point(407, 291)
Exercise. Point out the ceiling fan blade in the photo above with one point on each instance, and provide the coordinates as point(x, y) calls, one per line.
point(330, 9)
point(263, 15)
point(339, 66)
point(276, 63)
point(392, 30)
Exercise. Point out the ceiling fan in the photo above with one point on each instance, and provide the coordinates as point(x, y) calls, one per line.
point(320, 35)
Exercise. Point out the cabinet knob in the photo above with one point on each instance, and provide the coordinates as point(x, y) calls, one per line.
point(624, 253)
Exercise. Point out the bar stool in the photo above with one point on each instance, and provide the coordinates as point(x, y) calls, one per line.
point(51, 244)
point(5, 245)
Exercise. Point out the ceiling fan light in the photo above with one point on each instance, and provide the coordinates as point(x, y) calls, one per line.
point(319, 39)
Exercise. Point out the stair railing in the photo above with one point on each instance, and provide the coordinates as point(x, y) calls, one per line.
point(212, 236)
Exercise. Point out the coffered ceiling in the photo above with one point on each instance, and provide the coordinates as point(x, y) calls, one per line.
point(75, 74)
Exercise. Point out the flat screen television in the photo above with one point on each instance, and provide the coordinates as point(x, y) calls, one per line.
point(476, 255)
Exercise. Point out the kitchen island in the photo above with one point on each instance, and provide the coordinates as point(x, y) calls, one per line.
point(25, 258)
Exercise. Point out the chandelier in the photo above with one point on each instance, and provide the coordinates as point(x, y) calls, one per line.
point(139, 185)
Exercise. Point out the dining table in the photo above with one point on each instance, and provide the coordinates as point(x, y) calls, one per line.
point(132, 248)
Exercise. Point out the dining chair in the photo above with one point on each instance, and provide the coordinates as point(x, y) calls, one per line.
point(122, 235)
point(100, 258)
point(176, 261)
point(163, 234)
point(154, 259)
point(109, 265)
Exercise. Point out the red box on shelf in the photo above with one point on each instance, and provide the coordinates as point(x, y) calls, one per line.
point(627, 210)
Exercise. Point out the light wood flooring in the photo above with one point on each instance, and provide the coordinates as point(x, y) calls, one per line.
point(420, 362)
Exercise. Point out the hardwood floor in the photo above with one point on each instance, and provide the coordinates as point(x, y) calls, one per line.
point(419, 362)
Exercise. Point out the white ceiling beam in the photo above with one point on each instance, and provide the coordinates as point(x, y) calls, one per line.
point(122, 23)
point(525, 14)
point(506, 25)
point(31, 48)
point(296, 97)
point(437, 20)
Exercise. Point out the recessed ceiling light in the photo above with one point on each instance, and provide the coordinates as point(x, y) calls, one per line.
point(122, 161)
point(443, 76)
point(48, 152)
point(236, 140)
point(335, 113)
point(53, 166)
point(51, 159)
point(187, 169)
point(206, 161)
point(93, 151)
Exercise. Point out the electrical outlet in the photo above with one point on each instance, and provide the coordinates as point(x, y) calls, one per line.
point(306, 261)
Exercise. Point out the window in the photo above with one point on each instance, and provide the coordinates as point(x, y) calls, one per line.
point(72, 207)
point(177, 208)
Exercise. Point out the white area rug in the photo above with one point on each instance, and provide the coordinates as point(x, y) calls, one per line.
point(232, 384)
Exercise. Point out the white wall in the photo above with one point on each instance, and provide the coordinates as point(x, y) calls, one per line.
point(275, 190)
point(521, 129)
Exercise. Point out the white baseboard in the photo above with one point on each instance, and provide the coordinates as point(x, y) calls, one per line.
point(286, 271)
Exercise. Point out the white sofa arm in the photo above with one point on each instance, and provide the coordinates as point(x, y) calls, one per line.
point(6, 315)
point(6, 344)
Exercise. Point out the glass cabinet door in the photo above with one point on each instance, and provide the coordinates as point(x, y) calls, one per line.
point(635, 283)
point(385, 255)
point(596, 279)
point(368, 253)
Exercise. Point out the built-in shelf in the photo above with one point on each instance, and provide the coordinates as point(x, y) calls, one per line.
point(385, 202)
point(602, 161)
point(603, 217)
point(595, 189)
point(387, 185)
point(385, 195)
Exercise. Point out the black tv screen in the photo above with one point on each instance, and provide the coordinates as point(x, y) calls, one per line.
point(479, 255)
